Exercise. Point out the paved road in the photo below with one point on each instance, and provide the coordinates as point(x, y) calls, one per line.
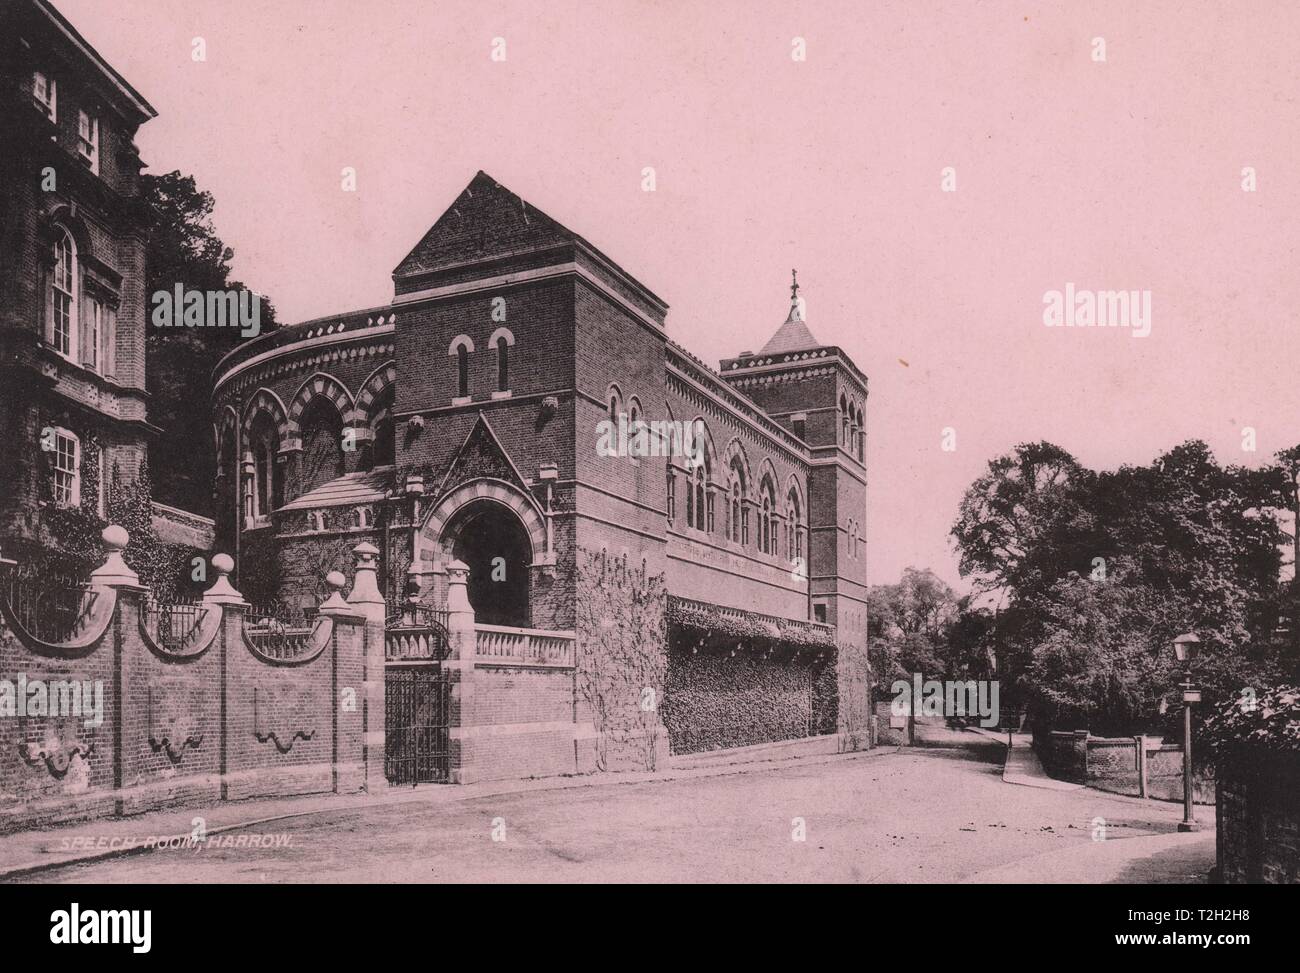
point(925, 815)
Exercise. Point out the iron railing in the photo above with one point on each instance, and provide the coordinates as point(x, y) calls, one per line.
point(50, 605)
point(277, 631)
point(416, 632)
point(405, 613)
point(173, 623)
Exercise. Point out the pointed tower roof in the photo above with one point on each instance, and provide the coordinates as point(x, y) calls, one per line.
point(492, 228)
point(793, 335)
point(486, 219)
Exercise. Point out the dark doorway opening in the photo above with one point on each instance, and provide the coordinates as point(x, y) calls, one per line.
point(493, 542)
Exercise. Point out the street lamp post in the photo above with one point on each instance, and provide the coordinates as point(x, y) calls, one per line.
point(1186, 648)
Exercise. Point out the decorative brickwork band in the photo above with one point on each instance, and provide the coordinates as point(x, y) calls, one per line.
point(497, 491)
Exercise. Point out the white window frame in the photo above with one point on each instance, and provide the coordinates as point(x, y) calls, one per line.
point(50, 100)
point(65, 253)
point(66, 444)
point(88, 139)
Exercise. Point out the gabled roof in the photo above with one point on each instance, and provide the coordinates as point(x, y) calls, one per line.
point(487, 221)
point(481, 455)
point(486, 218)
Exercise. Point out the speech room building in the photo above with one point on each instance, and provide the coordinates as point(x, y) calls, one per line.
point(654, 556)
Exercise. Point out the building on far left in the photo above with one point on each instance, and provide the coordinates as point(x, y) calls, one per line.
point(73, 232)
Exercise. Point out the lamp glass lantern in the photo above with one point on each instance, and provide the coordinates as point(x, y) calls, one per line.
point(1187, 647)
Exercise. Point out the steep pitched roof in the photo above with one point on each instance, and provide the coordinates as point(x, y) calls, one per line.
point(486, 218)
point(793, 335)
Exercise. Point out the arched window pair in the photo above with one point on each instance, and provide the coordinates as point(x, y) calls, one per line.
point(462, 347)
point(699, 501)
point(794, 526)
point(635, 445)
point(738, 510)
point(854, 539)
point(852, 427)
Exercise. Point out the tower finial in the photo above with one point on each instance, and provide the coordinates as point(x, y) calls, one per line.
point(796, 303)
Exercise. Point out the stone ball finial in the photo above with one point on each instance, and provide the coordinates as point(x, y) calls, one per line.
point(115, 538)
point(223, 563)
point(335, 580)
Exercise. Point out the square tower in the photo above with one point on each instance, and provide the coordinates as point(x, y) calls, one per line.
point(819, 395)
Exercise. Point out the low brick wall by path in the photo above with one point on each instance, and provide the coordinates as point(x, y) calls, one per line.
point(1114, 764)
point(1064, 754)
point(892, 731)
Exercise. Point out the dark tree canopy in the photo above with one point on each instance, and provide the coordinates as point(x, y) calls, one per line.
point(184, 249)
point(1098, 571)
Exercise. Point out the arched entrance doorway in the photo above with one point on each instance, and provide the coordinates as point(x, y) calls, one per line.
point(491, 539)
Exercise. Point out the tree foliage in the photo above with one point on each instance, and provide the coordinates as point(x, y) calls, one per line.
point(184, 249)
point(919, 625)
point(1098, 571)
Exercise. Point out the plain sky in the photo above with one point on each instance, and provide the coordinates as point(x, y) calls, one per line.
point(1122, 174)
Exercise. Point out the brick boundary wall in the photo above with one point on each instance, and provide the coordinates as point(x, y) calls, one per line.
point(1064, 753)
point(216, 721)
point(889, 735)
point(1257, 839)
point(1116, 765)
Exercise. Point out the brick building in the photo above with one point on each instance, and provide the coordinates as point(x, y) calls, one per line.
point(513, 408)
point(72, 301)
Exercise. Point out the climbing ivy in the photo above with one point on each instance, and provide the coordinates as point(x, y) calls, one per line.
point(622, 655)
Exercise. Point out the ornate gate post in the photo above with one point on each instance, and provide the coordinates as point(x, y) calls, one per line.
point(459, 668)
point(233, 608)
point(366, 601)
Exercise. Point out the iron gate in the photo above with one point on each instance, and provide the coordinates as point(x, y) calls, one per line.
point(417, 700)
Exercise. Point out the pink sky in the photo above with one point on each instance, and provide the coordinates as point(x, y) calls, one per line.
point(1125, 175)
